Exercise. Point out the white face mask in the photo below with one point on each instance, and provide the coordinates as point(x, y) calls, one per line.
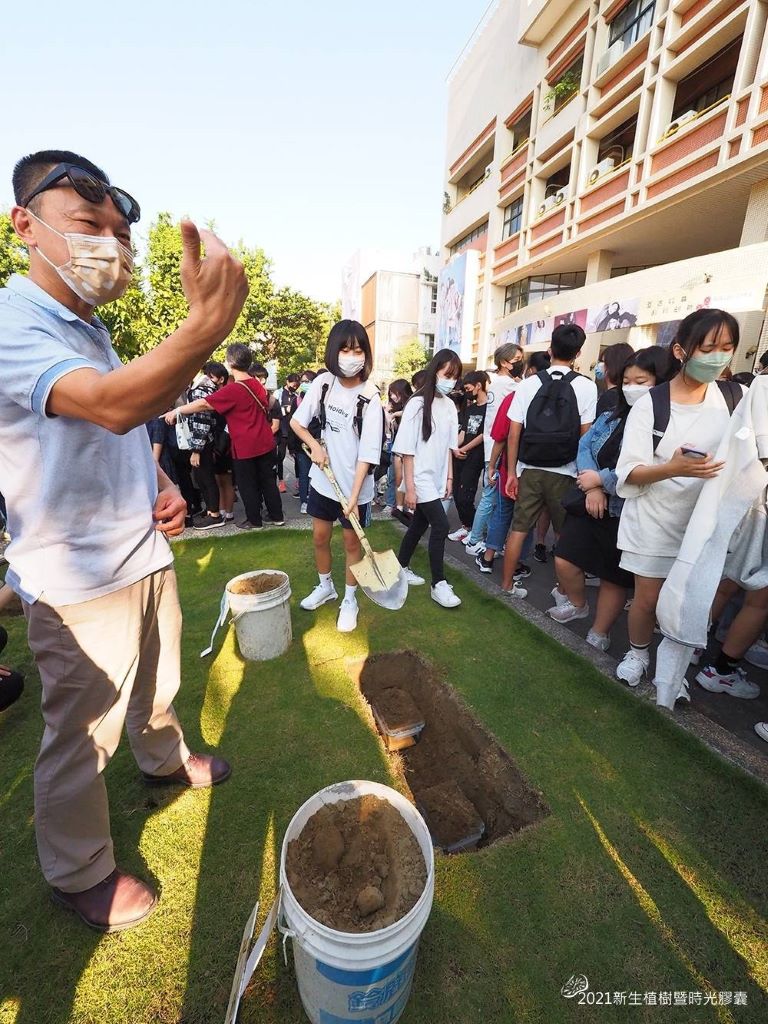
point(99, 268)
point(444, 385)
point(634, 391)
point(351, 366)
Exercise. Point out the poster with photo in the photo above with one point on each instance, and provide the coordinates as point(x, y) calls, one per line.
point(578, 317)
point(612, 316)
point(667, 332)
point(541, 332)
point(516, 335)
point(456, 291)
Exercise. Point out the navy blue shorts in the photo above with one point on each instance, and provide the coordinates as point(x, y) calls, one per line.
point(329, 510)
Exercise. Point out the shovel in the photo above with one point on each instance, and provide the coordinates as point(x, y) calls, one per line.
point(379, 573)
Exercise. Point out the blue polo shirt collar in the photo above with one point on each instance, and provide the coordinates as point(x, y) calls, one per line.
point(27, 288)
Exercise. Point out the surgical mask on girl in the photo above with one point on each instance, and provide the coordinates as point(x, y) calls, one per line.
point(632, 392)
point(350, 365)
point(708, 367)
point(445, 385)
point(99, 268)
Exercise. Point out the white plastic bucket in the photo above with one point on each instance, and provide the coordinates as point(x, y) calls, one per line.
point(349, 976)
point(262, 621)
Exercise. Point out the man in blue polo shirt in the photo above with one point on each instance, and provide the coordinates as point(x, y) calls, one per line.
point(90, 511)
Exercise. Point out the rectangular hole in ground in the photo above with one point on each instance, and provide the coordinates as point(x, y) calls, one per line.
point(466, 785)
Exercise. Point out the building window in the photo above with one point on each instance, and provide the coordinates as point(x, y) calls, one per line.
point(521, 131)
point(475, 233)
point(558, 180)
point(710, 82)
point(632, 22)
point(566, 86)
point(536, 289)
point(619, 144)
point(433, 300)
point(429, 344)
point(623, 271)
point(513, 218)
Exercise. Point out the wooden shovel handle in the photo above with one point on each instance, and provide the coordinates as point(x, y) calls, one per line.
point(352, 517)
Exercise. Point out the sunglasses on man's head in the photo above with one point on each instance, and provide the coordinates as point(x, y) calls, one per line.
point(90, 188)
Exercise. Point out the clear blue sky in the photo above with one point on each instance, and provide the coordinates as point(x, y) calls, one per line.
point(309, 128)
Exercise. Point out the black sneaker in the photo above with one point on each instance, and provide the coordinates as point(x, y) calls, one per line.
point(540, 553)
point(522, 572)
point(189, 521)
point(248, 525)
point(209, 523)
point(482, 565)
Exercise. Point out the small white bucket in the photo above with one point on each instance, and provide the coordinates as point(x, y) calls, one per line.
point(262, 621)
point(350, 976)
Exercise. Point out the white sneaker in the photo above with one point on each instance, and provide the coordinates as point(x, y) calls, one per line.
point(413, 579)
point(303, 508)
point(347, 620)
point(567, 612)
point(757, 654)
point(598, 640)
point(461, 534)
point(559, 597)
point(475, 549)
point(517, 591)
point(761, 728)
point(444, 595)
point(590, 580)
point(633, 666)
point(323, 592)
point(735, 683)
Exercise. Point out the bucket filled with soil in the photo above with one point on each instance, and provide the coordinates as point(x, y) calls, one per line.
point(259, 602)
point(357, 879)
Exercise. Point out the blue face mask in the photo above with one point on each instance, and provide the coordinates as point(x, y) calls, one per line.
point(444, 385)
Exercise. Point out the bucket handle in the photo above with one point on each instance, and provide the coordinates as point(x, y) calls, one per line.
point(223, 609)
point(285, 931)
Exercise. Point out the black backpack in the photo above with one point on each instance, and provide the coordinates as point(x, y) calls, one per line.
point(662, 407)
point(317, 426)
point(552, 427)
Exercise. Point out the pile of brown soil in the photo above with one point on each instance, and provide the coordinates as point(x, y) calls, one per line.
point(257, 584)
point(397, 709)
point(356, 866)
point(453, 748)
point(451, 816)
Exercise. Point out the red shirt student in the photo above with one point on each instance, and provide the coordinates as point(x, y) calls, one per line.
point(243, 404)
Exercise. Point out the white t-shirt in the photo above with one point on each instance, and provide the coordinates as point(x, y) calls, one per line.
point(498, 390)
point(345, 449)
point(655, 516)
point(432, 457)
point(586, 399)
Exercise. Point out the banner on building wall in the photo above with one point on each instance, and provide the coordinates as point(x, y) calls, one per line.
point(612, 316)
point(676, 305)
point(350, 291)
point(456, 295)
point(578, 317)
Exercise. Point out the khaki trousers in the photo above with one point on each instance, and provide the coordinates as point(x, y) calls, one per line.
point(102, 663)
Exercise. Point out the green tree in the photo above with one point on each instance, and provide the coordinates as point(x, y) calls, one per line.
point(128, 320)
point(13, 255)
point(409, 357)
point(293, 329)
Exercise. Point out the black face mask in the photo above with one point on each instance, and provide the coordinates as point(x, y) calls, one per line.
point(517, 369)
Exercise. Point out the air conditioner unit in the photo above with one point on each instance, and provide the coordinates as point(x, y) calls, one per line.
point(560, 196)
point(600, 169)
point(689, 115)
point(488, 170)
point(610, 56)
point(548, 203)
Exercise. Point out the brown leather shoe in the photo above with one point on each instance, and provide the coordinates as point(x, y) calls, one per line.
point(114, 905)
point(200, 772)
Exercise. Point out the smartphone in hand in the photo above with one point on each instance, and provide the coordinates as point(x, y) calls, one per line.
point(692, 453)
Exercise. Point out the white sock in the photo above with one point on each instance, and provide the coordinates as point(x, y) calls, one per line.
point(350, 593)
point(326, 579)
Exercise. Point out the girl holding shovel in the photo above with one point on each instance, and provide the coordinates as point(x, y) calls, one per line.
point(350, 415)
point(429, 430)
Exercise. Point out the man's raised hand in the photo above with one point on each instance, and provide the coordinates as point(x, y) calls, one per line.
point(215, 286)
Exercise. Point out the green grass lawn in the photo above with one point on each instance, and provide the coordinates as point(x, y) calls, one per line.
point(649, 874)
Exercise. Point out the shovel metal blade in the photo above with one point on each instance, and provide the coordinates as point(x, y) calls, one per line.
point(382, 579)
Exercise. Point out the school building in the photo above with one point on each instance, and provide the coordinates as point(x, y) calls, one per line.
point(607, 163)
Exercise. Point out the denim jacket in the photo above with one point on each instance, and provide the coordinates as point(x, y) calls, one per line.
point(589, 446)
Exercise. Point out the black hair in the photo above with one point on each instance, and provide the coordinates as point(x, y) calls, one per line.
point(309, 374)
point(214, 369)
point(693, 330)
point(239, 356)
point(418, 378)
point(656, 359)
point(445, 357)
point(763, 360)
point(342, 335)
point(259, 370)
point(538, 361)
point(401, 388)
point(567, 341)
point(477, 377)
point(745, 378)
point(30, 170)
point(506, 353)
point(292, 378)
point(614, 358)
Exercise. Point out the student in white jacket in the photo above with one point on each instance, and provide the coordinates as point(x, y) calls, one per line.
point(661, 487)
point(429, 430)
